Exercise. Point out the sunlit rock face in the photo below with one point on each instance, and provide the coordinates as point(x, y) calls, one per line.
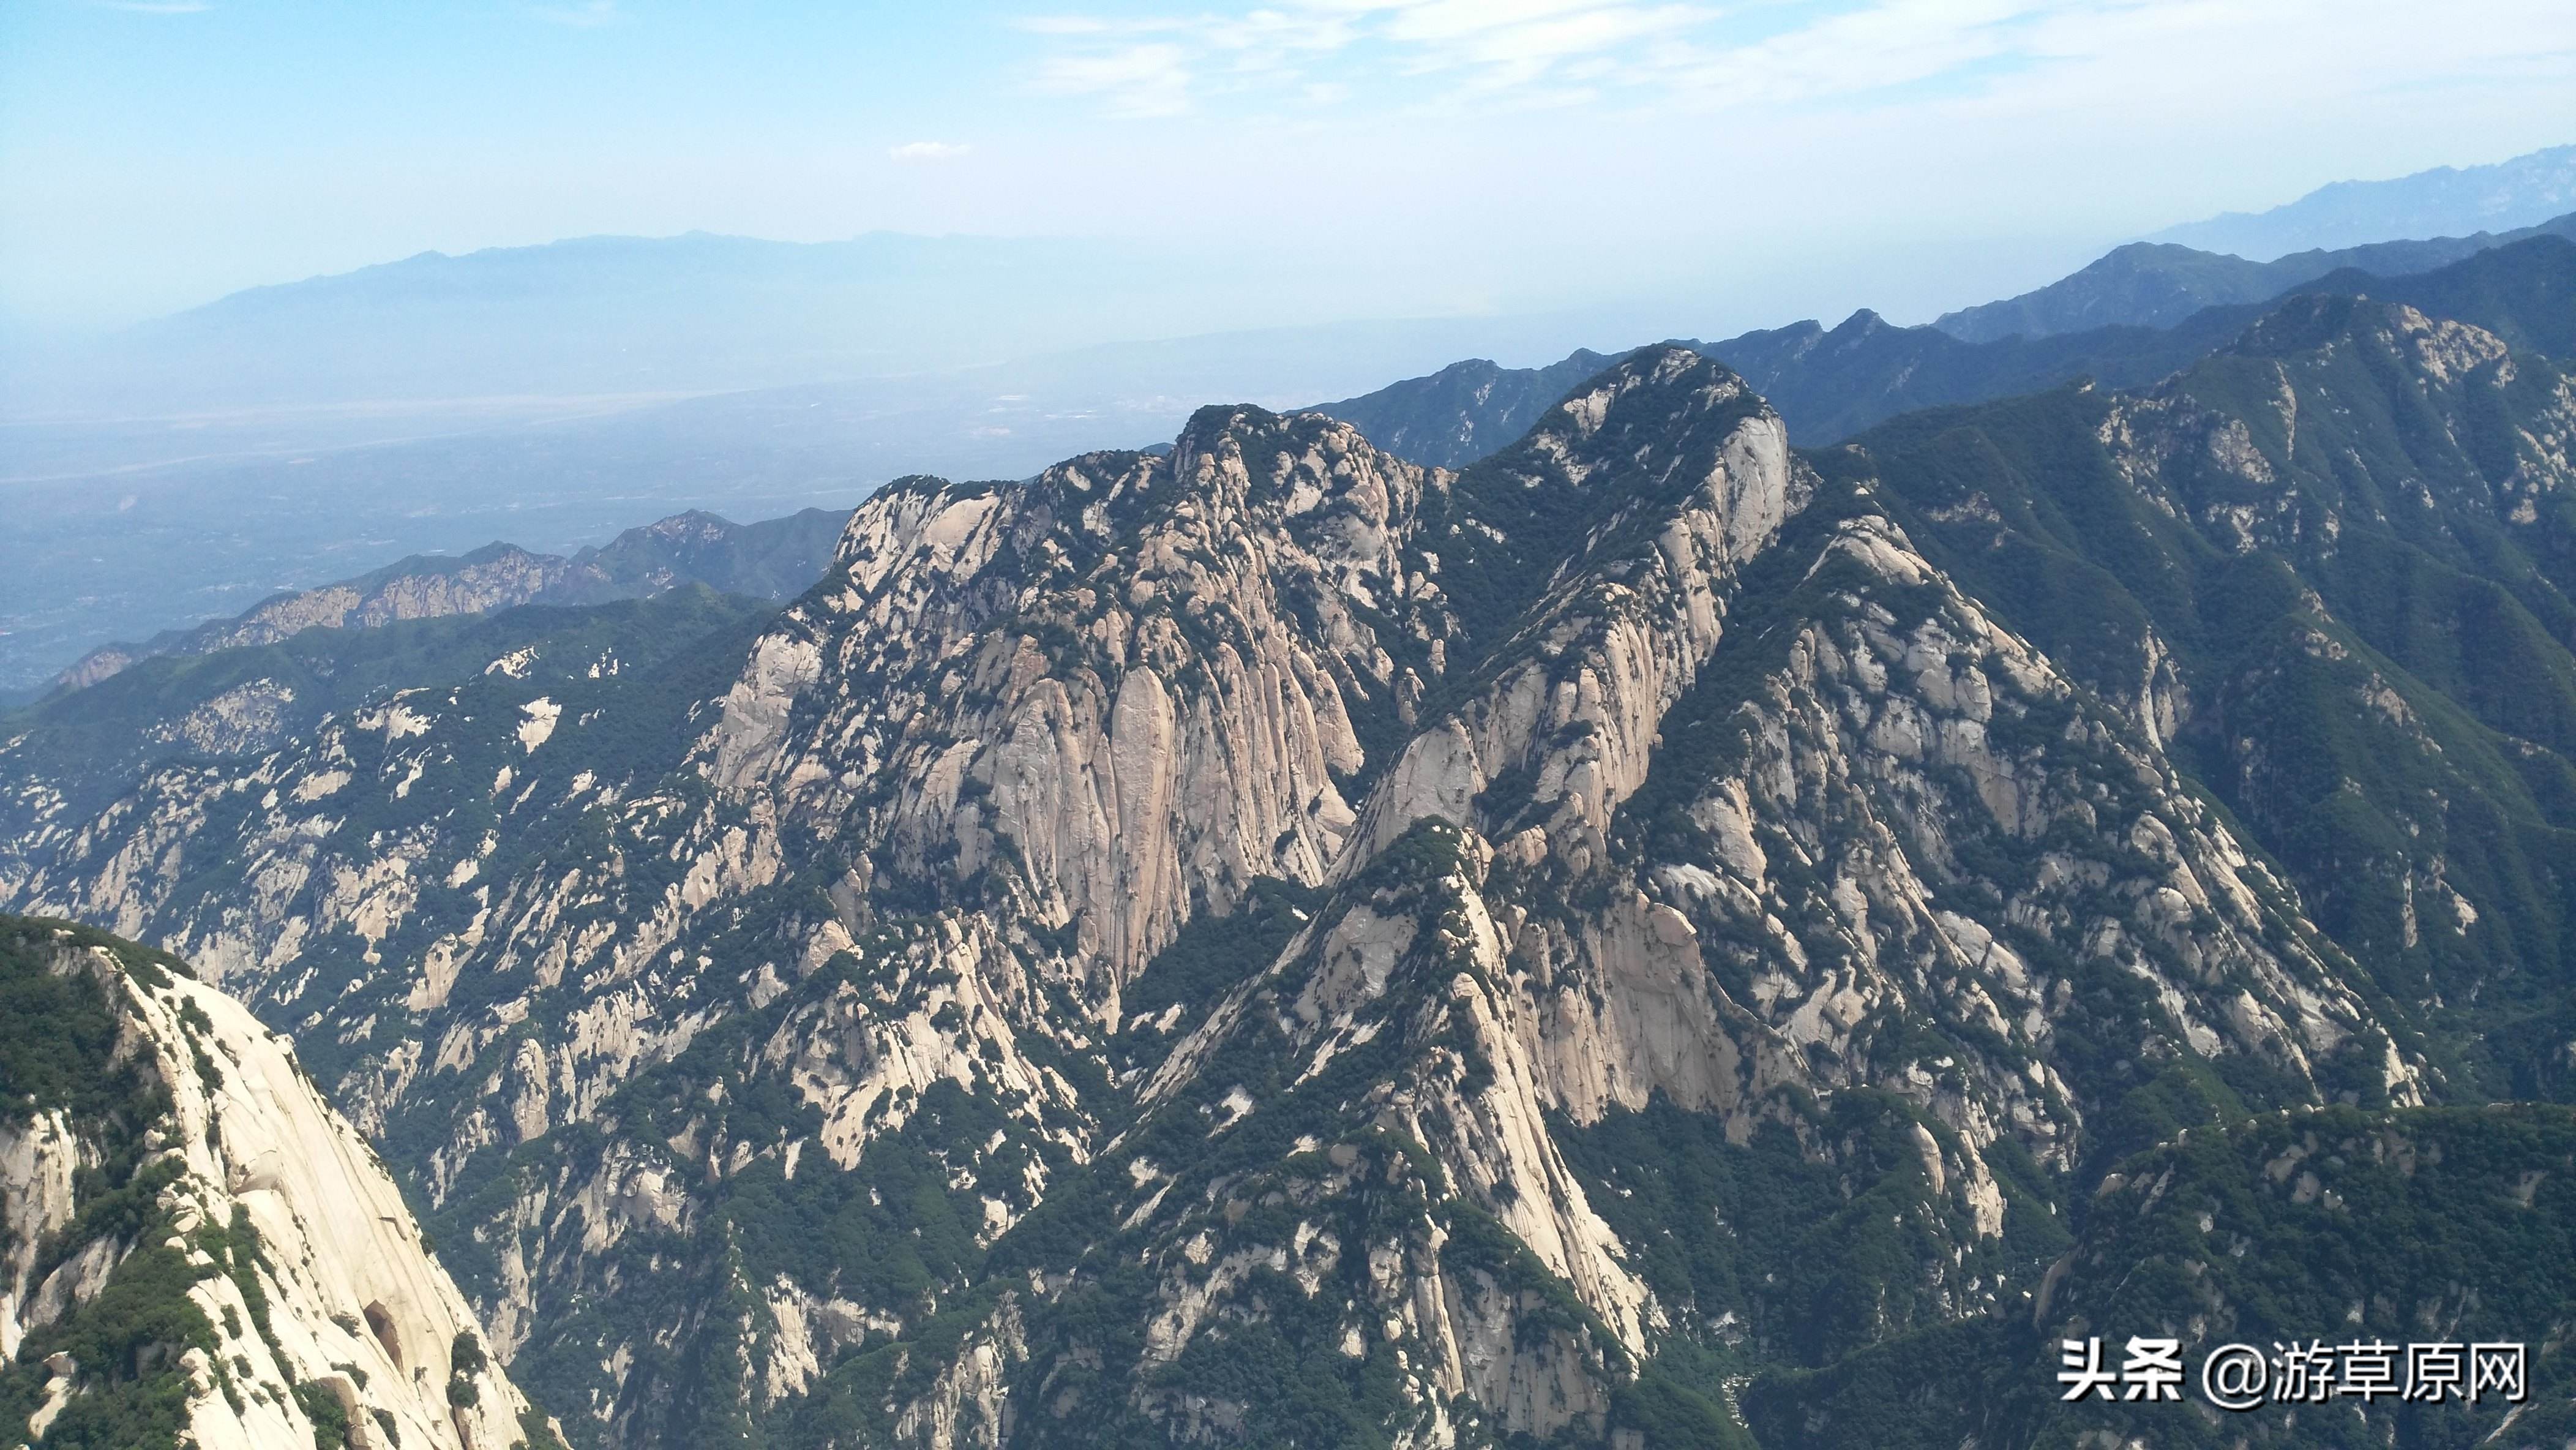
point(1268, 923)
point(258, 1233)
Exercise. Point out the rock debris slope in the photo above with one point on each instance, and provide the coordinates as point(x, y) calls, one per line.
point(198, 1248)
point(1273, 943)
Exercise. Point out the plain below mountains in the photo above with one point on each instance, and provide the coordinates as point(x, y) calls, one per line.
point(618, 315)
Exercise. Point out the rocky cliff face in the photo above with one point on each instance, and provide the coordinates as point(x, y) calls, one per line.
point(1271, 940)
point(2331, 565)
point(198, 1248)
point(1571, 904)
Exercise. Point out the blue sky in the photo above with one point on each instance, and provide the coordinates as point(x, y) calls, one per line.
point(1766, 159)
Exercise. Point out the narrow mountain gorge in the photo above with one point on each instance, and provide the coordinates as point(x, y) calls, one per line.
point(1652, 938)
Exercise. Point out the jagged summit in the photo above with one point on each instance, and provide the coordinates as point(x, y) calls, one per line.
point(1269, 939)
point(1831, 384)
point(2309, 324)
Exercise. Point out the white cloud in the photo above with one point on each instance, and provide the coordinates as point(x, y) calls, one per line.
point(1894, 43)
point(928, 150)
point(1131, 80)
point(1439, 52)
point(1311, 51)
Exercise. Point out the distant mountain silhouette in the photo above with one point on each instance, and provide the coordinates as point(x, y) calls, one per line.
point(2443, 201)
point(2158, 284)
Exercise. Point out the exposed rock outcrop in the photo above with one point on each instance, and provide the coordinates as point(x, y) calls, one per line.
point(253, 1226)
point(1270, 928)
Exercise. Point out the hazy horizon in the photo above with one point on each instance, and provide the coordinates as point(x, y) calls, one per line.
point(1414, 157)
point(1060, 226)
point(1447, 724)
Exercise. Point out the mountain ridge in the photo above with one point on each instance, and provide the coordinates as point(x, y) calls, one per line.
point(1270, 941)
point(1489, 401)
point(2159, 284)
point(1833, 383)
point(771, 558)
point(2445, 199)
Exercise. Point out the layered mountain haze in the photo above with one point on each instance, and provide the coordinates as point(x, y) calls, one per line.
point(772, 559)
point(2159, 284)
point(1832, 383)
point(133, 527)
point(289, 436)
point(1651, 937)
point(2443, 201)
point(609, 315)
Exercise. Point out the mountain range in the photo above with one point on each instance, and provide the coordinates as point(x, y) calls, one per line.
point(1827, 384)
point(772, 559)
point(2444, 200)
point(1831, 384)
point(617, 315)
point(2160, 284)
point(287, 436)
point(1667, 934)
point(157, 524)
